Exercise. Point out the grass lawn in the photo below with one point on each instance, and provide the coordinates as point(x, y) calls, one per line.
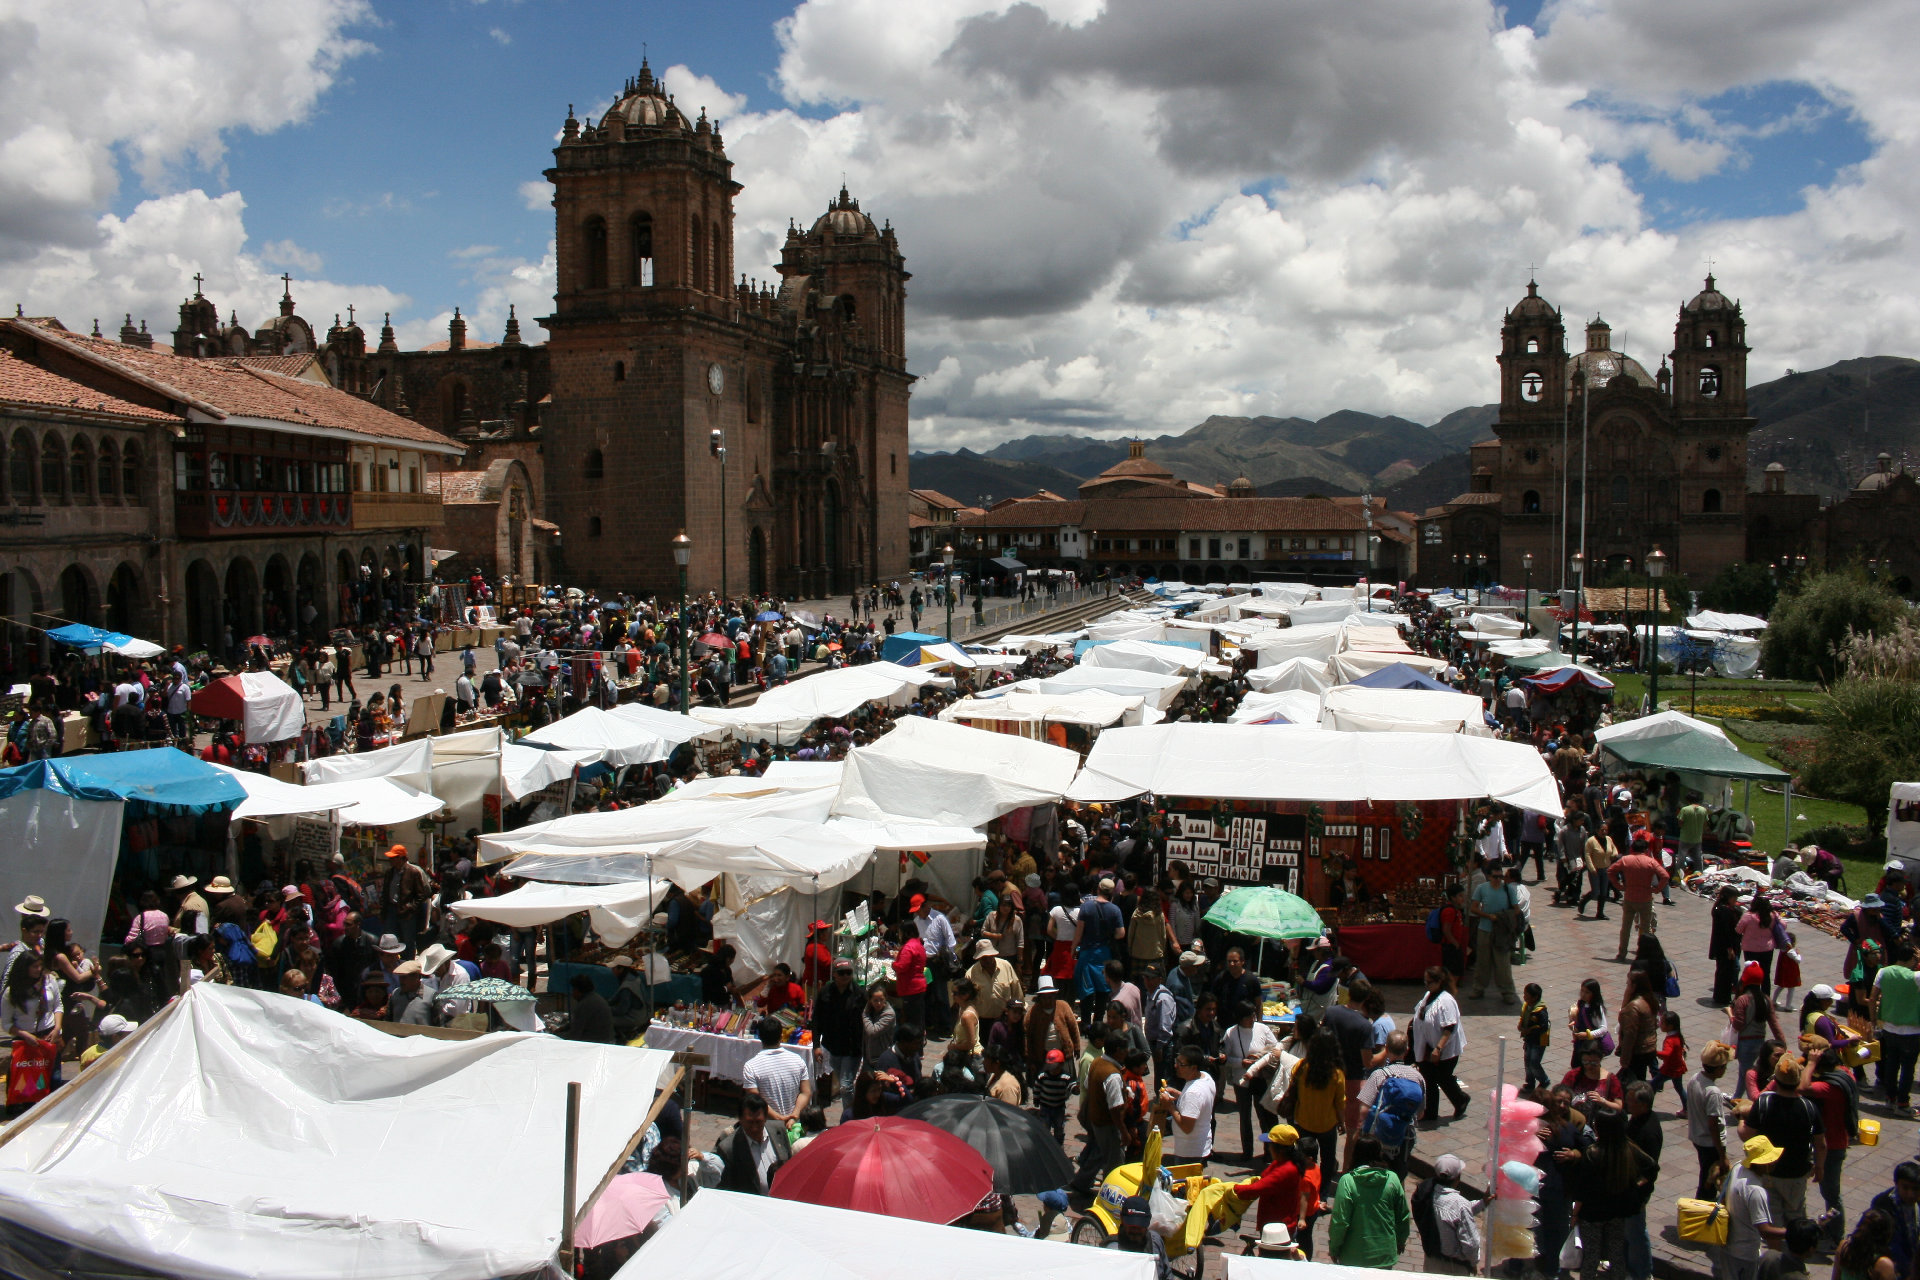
point(1770, 819)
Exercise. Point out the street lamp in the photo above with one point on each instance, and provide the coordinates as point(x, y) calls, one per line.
point(1656, 570)
point(1579, 568)
point(682, 552)
point(1480, 570)
point(1457, 579)
point(1526, 597)
point(946, 584)
point(717, 446)
point(1373, 554)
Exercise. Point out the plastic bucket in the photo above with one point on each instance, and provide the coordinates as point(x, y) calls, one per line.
point(1869, 1132)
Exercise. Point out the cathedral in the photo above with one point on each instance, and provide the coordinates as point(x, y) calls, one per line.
point(1591, 449)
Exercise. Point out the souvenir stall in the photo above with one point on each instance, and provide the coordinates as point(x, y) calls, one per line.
point(1296, 807)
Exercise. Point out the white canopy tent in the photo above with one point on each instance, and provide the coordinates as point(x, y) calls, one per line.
point(1356, 709)
point(617, 912)
point(1317, 641)
point(363, 802)
point(951, 773)
point(670, 726)
point(1094, 707)
point(1708, 620)
point(1661, 724)
point(242, 1134)
point(620, 742)
point(1252, 762)
point(787, 710)
point(527, 769)
point(1351, 666)
point(460, 768)
point(1128, 625)
point(1310, 674)
point(647, 827)
point(1311, 611)
point(1038, 643)
point(723, 1235)
point(1293, 706)
point(1145, 655)
point(1495, 624)
point(1159, 689)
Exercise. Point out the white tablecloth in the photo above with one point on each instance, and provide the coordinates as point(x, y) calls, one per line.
point(729, 1054)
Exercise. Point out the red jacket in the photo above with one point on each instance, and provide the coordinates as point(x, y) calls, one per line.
point(910, 969)
point(1277, 1190)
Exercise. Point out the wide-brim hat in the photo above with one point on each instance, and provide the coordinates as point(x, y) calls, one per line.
point(183, 881)
point(389, 945)
point(984, 948)
point(219, 885)
point(436, 957)
point(33, 905)
point(1276, 1236)
point(1044, 986)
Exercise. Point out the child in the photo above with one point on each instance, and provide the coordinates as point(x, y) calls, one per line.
point(1133, 1127)
point(1786, 974)
point(1536, 1030)
point(1306, 1157)
point(1051, 1089)
point(1673, 1059)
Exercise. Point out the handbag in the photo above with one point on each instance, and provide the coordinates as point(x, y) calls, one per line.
point(1673, 983)
point(1705, 1221)
point(30, 1072)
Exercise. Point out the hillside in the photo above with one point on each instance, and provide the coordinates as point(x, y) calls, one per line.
point(977, 480)
point(1826, 425)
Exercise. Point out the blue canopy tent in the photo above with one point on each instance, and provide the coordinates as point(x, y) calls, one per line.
point(1402, 676)
point(95, 639)
point(61, 821)
point(905, 647)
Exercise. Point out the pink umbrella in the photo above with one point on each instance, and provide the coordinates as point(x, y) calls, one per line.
point(624, 1209)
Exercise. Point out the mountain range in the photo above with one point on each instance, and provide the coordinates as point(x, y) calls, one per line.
point(1825, 425)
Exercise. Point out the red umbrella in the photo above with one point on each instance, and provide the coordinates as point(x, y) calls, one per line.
point(891, 1165)
point(222, 699)
point(716, 640)
point(626, 1208)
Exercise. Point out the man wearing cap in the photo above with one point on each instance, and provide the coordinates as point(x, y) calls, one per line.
point(1791, 1123)
point(838, 1032)
point(403, 896)
point(1186, 983)
point(1138, 1236)
point(1637, 876)
point(1752, 1225)
point(1456, 1232)
point(409, 1004)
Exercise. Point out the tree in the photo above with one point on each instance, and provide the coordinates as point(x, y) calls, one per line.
point(1742, 588)
point(1869, 738)
point(1814, 618)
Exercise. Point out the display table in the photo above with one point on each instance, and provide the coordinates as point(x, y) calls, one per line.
point(684, 987)
point(728, 1055)
point(1389, 952)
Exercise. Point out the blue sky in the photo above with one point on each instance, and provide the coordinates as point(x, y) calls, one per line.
point(1121, 215)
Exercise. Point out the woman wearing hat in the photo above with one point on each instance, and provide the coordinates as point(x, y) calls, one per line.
point(1750, 1019)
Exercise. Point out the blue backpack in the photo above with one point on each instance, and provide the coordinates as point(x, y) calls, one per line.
point(1394, 1109)
point(238, 947)
point(1433, 926)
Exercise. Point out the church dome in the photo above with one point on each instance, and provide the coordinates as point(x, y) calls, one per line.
point(1602, 364)
point(844, 219)
point(1532, 305)
point(644, 104)
point(1710, 299)
point(1879, 478)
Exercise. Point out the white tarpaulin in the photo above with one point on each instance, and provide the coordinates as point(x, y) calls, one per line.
point(1736, 656)
point(1288, 706)
point(1127, 626)
point(462, 769)
point(1318, 641)
point(365, 802)
point(1241, 1267)
point(1144, 655)
point(1311, 611)
point(1095, 707)
point(671, 726)
point(1253, 762)
point(1350, 666)
point(1708, 620)
point(1661, 724)
point(1493, 624)
point(408, 762)
point(616, 911)
point(1158, 688)
point(1356, 709)
point(620, 742)
point(1310, 674)
point(1035, 644)
point(946, 652)
point(274, 711)
point(723, 1235)
point(647, 827)
point(787, 710)
point(246, 1135)
point(529, 769)
point(782, 852)
point(951, 773)
point(64, 849)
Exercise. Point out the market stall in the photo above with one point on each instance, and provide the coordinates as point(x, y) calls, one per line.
point(266, 707)
point(1353, 708)
point(620, 741)
point(728, 1052)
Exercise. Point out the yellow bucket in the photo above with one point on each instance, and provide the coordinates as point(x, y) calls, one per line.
point(1869, 1133)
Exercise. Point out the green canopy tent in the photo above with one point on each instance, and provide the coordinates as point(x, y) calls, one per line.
point(1701, 752)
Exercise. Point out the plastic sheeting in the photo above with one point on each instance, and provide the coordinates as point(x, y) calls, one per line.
point(1317, 641)
point(646, 828)
point(1094, 707)
point(460, 768)
point(1252, 762)
point(670, 726)
point(1494, 624)
point(620, 742)
point(63, 847)
point(1158, 688)
point(1351, 666)
point(787, 710)
point(1145, 655)
point(1708, 620)
point(526, 770)
point(722, 1235)
point(616, 911)
point(1283, 706)
point(1310, 674)
point(951, 773)
point(243, 1134)
point(1357, 709)
point(365, 802)
point(158, 776)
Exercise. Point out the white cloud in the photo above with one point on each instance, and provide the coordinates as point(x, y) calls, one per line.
point(537, 194)
point(695, 93)
point(500, 37)
point(288, 255)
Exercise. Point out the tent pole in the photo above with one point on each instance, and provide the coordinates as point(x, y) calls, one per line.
point(1493, 1165)
point(570, 1176)
point(646, 977)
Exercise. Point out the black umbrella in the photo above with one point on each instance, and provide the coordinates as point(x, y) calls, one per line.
point(1024, 1156)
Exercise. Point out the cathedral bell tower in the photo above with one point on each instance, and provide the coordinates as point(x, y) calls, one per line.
point(1533, 361)
point(1710, 357)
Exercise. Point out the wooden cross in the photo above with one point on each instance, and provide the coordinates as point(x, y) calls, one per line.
point(286, 282)
point(197, 280)
point(349, 313)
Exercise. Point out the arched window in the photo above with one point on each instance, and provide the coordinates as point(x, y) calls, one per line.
point(593, 526)
point(20, 468)
point(1532, 385)
point(108, 471)
point(131, 489)
point(79, 469)
point(1530, 502)
point(53, 467)
point(1709, 340)
point(1620, 494)
point(697, 278)
point(593, 238)
point(1533, 346)
point(1710, 502)
point(849, 306)
point(640, 248)
point(719, 258)
point(1709, 381)
point(619, 370)
point(596, 466)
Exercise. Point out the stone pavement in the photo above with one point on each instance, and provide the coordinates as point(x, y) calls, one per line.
point(1569, 951)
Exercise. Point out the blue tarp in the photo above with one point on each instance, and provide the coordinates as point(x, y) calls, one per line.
point(1402, 676)
point(162, 777)
point(88, 638)
point(907, 645)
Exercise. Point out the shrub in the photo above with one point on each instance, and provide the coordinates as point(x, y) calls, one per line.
point(1816, 618)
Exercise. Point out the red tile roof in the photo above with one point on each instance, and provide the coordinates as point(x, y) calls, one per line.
point(458, 487)
point(27, 384)
point(446, 344)
point(291, 366)
point(1156, 513)
point(935, 498)
point(237, 388)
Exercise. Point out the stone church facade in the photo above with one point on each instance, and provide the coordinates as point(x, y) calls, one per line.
point(1660, 459)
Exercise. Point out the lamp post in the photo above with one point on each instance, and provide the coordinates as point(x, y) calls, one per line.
point(1656, 570)
point(1373, 554)
point(1579, 569)
point(1526, 596)
point(1480, 571)
point(1457, 579)
point(717, 446)
point(682, 552)
point(946, 585)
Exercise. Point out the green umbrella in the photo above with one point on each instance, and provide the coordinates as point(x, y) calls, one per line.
point(492, 990)
point(1265, 911)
